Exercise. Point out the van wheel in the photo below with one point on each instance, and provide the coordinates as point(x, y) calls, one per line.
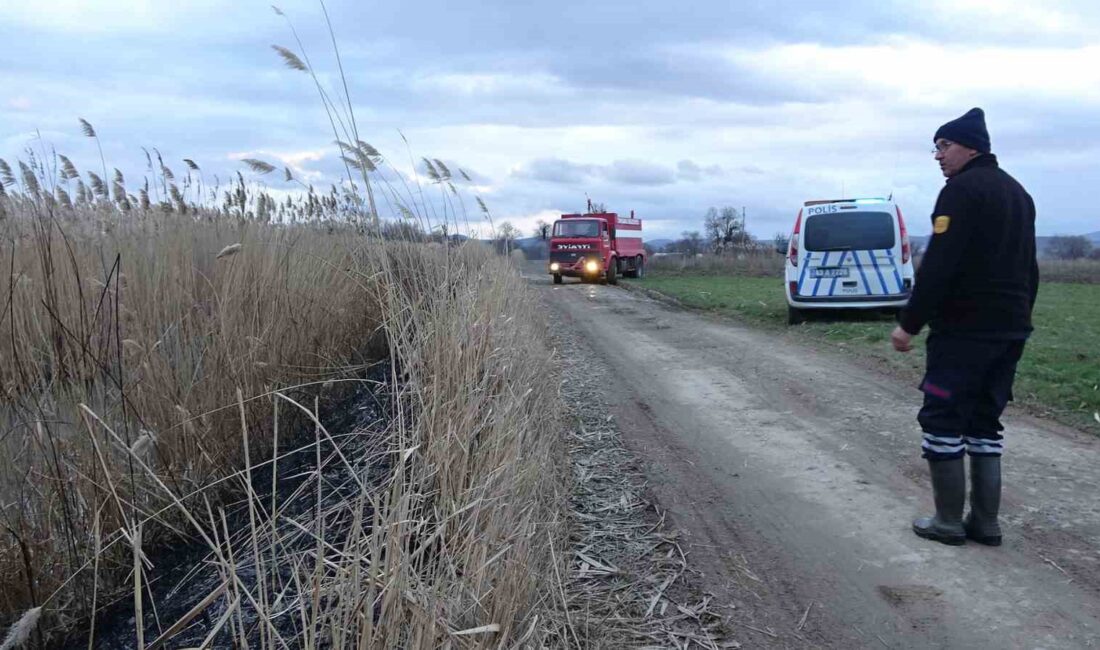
point(557, 278)
point(612, 278)
point(795, 316)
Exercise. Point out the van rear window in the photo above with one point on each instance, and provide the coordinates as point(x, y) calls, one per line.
point(846, 231)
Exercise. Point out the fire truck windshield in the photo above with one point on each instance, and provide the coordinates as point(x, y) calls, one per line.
point(577, 228)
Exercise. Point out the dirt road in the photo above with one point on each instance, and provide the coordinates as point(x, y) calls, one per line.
point(794, 475)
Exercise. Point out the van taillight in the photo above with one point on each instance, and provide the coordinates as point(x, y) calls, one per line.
point(794, 288)
point(904, 237)
point(793, 255)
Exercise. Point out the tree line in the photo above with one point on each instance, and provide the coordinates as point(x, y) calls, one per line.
point(1077, 247)
point(723, 232)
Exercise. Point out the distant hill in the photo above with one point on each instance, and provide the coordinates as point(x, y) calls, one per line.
point(1041, 242)
point(658, 244)
point(528, 242)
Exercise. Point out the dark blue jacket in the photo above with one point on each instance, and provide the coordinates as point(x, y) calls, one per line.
point(979, 276)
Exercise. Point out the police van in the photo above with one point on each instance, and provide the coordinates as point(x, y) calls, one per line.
point(847, 254)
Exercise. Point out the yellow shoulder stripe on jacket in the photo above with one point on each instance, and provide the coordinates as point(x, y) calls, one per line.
point(941, 224)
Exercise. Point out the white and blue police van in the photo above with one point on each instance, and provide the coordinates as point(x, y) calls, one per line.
point(847, 254)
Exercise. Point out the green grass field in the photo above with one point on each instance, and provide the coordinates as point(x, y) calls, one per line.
point(1059, 375)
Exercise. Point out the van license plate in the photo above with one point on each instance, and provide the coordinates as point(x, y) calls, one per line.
point(829, 272)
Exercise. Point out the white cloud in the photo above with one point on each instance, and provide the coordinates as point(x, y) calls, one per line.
point(1012, 16)
point(487, 83)
point(926, 73)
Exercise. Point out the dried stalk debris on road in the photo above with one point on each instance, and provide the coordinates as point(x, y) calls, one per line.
point(629, 580)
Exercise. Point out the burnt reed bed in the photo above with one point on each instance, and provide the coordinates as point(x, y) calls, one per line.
point(161, 349)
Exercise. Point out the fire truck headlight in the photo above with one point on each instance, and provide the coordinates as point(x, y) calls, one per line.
point(591, 266)
point(554, 266)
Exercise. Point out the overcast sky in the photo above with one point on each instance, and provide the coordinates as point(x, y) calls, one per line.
point(660, 107)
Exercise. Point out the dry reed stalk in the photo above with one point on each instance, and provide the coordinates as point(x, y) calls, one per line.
point(139, 618)
point(74, 331)
point(20, 632)
point(447, 535)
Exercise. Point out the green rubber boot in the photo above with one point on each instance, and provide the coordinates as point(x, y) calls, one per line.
point(949, 492)
point(985, 500)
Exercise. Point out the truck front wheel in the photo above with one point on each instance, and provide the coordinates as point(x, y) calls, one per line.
point(639, 267)
point(557, 278)
point(612, 277)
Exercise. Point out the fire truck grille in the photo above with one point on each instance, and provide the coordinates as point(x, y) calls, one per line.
point(571, 257)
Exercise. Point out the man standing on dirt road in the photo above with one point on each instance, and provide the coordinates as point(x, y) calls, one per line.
point(975, 289)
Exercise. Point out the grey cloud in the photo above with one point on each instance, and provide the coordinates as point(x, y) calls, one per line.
point(689, 170)
point(566, 26)
point(554, 170)
point(648, 73)
point(618, 172)
point(638, 172)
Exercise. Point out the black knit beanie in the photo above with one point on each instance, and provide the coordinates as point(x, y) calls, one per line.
point(968, 130)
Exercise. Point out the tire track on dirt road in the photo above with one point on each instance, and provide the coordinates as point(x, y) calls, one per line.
point(794, 474)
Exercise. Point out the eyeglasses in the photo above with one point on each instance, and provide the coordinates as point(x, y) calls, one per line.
point(941, 147)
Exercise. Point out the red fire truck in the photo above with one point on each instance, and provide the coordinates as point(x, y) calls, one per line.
point(597, 246)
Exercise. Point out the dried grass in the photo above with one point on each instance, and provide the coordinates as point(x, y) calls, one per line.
point(753, 262)
point(130, 335)
point(140, 324)
point(1075, 271)
point(159, 343)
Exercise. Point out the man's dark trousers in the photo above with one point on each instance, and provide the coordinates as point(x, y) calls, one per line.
point(966, 387)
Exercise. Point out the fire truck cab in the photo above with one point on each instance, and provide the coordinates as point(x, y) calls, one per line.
point(596, 246)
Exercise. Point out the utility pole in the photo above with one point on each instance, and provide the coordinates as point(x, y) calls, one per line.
point(744, 226)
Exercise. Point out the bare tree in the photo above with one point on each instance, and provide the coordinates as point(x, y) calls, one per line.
point(596, 208)
point(724, 229)
point(733, 228)
point(1069, 248)
point(542, 229)
point(506, 237)
point(712, 228)
point(692, 243)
